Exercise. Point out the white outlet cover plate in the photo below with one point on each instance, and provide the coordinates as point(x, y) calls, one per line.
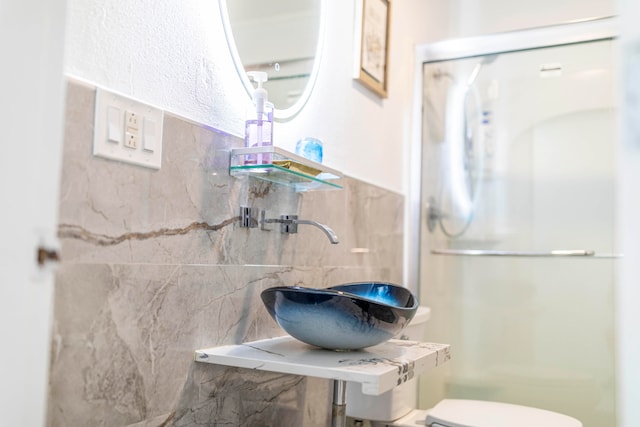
point(110, 149)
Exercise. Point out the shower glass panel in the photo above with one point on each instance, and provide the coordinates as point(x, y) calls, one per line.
point(517, 253)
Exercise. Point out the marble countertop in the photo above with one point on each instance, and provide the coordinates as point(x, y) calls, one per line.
point(379, 368)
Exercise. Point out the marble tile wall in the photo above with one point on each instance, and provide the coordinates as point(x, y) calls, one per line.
point(155, 266)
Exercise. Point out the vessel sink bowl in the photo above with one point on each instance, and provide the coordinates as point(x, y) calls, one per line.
point(346, 317)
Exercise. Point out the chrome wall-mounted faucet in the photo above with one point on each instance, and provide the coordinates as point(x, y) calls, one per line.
point(288, 223)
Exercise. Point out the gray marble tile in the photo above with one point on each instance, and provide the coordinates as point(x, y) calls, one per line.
point(155, 266)
point(124, 335)
point(186, 212)
point(251, 399)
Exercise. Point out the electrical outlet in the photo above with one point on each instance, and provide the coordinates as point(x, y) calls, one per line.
point(131, 120)
point(131, 140)
point(127, 130)
point(132, 126)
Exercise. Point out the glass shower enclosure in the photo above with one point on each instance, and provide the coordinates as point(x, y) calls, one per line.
point(517, 257)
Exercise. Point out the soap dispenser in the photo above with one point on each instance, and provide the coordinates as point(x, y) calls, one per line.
point(259, 124)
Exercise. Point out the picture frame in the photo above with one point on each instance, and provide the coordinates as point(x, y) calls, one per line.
point(371, 47)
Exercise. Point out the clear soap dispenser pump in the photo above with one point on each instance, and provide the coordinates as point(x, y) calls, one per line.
point(258, 130)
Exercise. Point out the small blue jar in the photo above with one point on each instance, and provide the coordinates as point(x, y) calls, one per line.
point(310, 148)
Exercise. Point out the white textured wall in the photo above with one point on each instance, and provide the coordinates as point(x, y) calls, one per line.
point(174, 55)
point(171, 54)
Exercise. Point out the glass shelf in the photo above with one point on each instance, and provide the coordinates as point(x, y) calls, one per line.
point(282, 167)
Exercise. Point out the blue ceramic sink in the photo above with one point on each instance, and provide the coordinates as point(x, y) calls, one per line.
point(345, 317)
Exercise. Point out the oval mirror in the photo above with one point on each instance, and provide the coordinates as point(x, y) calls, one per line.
point(281, 37)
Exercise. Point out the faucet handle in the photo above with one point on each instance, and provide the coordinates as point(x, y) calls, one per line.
point(247, 217)
point(289, 224)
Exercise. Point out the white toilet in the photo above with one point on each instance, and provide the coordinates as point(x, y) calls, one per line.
point(397, 407)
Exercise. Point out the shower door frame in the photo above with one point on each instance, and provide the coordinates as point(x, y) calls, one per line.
point(556, 35)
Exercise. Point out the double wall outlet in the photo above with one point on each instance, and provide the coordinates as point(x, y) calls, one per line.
point(127, 130)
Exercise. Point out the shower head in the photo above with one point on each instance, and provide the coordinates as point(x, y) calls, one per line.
point(486, 60)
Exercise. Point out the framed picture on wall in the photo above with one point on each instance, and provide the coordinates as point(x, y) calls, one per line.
point(372, 44)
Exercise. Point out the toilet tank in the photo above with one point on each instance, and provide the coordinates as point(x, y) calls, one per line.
point(394, 403)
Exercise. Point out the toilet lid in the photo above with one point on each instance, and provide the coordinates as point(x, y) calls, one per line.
point(476, 413)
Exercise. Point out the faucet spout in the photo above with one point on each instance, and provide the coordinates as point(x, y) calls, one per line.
point(333, 238)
